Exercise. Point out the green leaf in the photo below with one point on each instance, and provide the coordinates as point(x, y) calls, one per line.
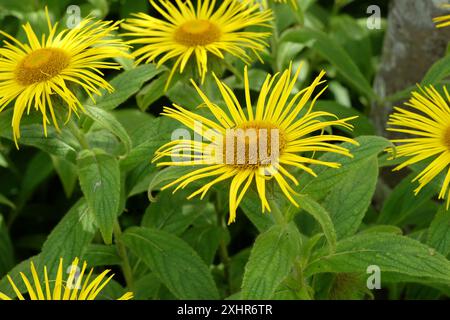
point(173, 261)
point(392, 253)
point(349, 201)
point(402, 203)
point(147, 133)
point(163, 215)
point(184, 95)
point(3, 162)
point(5, 201)
point(165, 176)
point(67, 173)
point(329, 178)
point(382, 228)
point(355, 39)
point(126, 84)
point(439, 232)
point(15, 274)
point(6, 249)
point(101, 255)
point(151, 92)
point(99, 176)
point(61, 144)
point(334, 53)
point(147, 287)
point(251, 205)
point(438, 71)
point(322, 216)
point(271, 260)
point(109, 122)
point(362, 124)
point(38, 170)
point(205, 240)
point(69, 239)
point(128, 7)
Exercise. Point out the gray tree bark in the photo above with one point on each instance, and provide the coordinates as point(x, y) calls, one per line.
point(412, 44)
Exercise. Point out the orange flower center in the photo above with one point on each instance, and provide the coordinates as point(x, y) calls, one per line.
point(197, 33)
point(253, 145)
point(41, 65)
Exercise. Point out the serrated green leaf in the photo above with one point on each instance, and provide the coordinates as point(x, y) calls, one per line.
point(439, 232)
point(392, 253)
point(99, 176)
point(252, 208)
point(349, 201)
point(101, 255)
point(329, 178)
point(173, 261)
point(151, 92)
point(147, 133)
point(334, 53)
point(126, 84)
point(163, 177)
point(163, 215)
point(110, 123)
point(362, 124)
point(402, 203)
point(67, 173)
point(271, 260)
point(147, 287)
point(69, 239)
point(205, 240)
point(322, 216)
point(437, 72)
point(39, 168)
point(15, 274)
point(61, 144)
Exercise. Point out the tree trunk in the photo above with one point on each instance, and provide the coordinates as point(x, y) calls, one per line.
point(412, 44)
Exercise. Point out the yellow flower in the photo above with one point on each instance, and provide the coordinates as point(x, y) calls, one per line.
point(443, 21)
point(427, 121)
point(256, 145)
point(74, 288)
point(34, 73)
point(198, 33)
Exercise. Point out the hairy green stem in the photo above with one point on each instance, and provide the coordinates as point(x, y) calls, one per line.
point(223, 250)
point(234, 71)
point(277, 214)
point(75, 130)
point(274, 40)
point(122, 251)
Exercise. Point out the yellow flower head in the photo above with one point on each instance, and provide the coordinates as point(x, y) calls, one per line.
point(186, 32)
point(74, 288)
point(427, 121)
point(34, 73)
point(274, 133)
point(443, 21)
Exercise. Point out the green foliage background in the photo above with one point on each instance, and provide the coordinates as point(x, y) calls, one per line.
point(59, 199)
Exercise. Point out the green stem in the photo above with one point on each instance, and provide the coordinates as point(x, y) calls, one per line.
point(303, 293)
point(75, 130)
point(234, 71)
point(223, 250)
point(274, 40)
point(277, 214)
point(122, 251)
